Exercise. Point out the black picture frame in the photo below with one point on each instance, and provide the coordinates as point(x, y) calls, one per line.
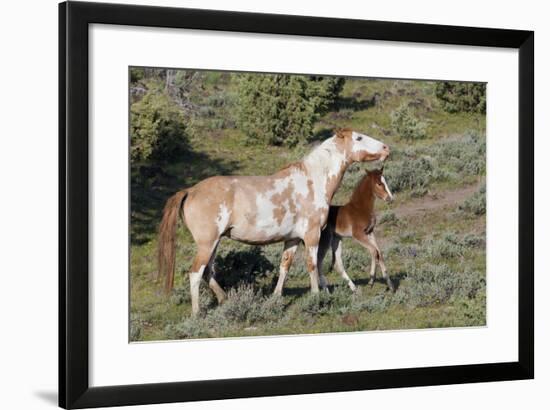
point(74, 20)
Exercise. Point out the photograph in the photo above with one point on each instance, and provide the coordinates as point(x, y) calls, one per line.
point(266, 204)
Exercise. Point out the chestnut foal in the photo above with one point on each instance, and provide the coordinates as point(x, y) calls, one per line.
point(356, 219)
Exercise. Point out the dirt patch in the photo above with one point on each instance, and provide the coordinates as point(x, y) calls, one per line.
point(434, 202)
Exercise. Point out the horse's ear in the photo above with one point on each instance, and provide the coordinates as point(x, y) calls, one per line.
point(342, 132)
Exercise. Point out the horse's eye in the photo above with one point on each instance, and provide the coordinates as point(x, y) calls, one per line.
point(359, 138)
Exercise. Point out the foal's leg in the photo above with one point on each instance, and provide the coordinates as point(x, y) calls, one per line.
point(212, 282)
point(363, 239)
point(200, 264)
point(286, 260)
point(380, 260)
point(337, 252)
point(324, 246)
point(369, 242)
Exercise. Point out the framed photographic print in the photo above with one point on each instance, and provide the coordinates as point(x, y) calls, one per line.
point(256, 204)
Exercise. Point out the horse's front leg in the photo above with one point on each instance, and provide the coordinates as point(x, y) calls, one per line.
point(380, 259)
point(361, 237)
point(311, 242)
point(369, 242)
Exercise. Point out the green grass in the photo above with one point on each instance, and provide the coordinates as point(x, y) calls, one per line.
point(435, 257)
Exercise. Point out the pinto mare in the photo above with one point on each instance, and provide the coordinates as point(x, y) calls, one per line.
point(291, 206)
point(357, 220)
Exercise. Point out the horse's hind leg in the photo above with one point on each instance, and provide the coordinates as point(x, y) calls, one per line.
point(338, 263)
point(286, 260)
point(212, 282)
point(200, 264)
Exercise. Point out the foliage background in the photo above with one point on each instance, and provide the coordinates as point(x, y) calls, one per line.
point(188, 125)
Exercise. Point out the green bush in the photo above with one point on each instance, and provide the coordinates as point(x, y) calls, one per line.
point(406, 125)
point(244, 306)
point(282, 109)
point(415, 169)
point(315, 304)
point(410, 173)
point(476, 204)
point(136, 74)
point(473, 241)
point(429, 284)
point(461, 97)
point(157, 127)
point(388, 218)
point(189, 328)
point(448, 247)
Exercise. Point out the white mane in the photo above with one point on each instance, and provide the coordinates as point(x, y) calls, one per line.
point(325, 158)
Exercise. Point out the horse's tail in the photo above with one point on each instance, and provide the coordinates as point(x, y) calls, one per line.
point(167, 237)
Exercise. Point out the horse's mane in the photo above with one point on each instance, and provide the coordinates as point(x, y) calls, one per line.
point(297, 164)
point(300, 164)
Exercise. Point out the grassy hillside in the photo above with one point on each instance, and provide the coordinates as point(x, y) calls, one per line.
point(432, 236)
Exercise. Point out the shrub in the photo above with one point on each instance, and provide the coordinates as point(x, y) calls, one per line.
point(189, 328)
point(136, 74)
point(456, 159)
point(135, 331)
point(157, 127)
point(240, 302)
point(407, 251)
point(182, 295)
point(353, 303)
point(388, 218)
point(315, 304)
point(406, 125)
point(282, 109)
point(476, 204)
point(244, 306)
point(429, 284)
point(378, 303)
point(409, 173)
point(461, 97)
point(450, 246)
point(464, 156)
point(473, 241)
point(270, 309)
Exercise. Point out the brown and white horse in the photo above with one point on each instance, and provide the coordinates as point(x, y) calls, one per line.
point(291, 205)
point(357, 220)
